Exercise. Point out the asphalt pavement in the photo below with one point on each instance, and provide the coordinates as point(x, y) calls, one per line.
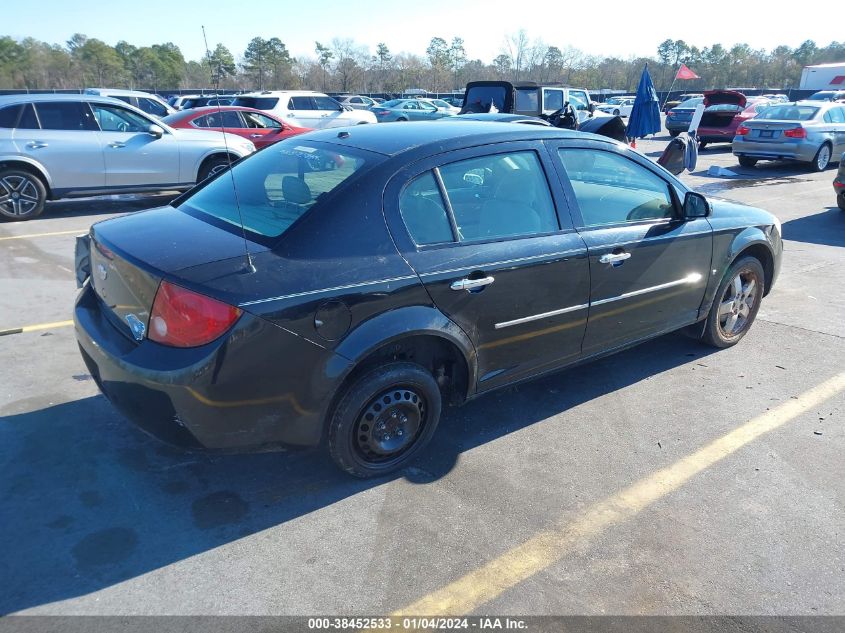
point(668, 479)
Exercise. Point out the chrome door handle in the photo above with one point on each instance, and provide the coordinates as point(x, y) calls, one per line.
point(117, 145)
point(36, 144)
point(611, 258)
point(254, 136)
point(291, 115)
point(470, 284)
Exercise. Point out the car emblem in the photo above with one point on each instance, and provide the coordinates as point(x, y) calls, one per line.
point(101, 270)
point(137, 326)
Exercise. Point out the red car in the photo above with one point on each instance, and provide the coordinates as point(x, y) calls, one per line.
point(724, 111)
point(259, 127)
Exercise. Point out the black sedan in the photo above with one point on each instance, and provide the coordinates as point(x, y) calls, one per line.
point(354, 281)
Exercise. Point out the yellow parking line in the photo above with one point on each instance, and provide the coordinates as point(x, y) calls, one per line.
point(21, 237)
point(540, 552)
point(35, 328)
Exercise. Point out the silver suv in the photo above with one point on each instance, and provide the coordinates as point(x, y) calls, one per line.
point(58, 146)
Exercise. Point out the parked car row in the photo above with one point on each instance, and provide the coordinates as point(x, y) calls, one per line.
point(57, 146)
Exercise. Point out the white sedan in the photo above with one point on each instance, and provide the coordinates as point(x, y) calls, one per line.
point(620, 106)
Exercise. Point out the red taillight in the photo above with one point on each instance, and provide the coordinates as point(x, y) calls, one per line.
point(182, 318)
point(383, 112)
point(742, 130)
point(796, 132)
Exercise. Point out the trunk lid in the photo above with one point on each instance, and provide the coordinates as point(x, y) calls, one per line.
point(718, 97)
point(768, 129)
point(129, 256)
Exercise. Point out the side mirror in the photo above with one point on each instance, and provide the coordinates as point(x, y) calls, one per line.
point(156, 131)
point(591, 107)
point(695, 206)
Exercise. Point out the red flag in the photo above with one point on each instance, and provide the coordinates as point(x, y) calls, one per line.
point(686, 73)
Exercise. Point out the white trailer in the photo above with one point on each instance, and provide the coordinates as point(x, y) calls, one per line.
point(823, 77)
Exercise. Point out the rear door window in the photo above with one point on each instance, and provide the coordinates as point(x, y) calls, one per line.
point(837, 115)
point(301, 103)
point(424, 212)
point(66, 115)
point(612, 189)
point(28, 120)
point(498, 196)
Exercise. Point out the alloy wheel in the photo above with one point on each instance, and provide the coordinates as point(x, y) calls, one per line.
point(737, 303)
point(389, 424)
point(18, 195)
point(823, 158)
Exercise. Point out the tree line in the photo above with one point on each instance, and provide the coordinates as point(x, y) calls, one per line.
point(344, 65)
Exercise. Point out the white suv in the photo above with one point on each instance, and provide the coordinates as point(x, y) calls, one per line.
point(56, 146)
point(149, 103)
point(305, 108)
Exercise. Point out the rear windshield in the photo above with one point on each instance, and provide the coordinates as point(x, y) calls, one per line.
point(275, 187)
point(789, 113)
point(259, 103)
point(690, 104)
point(479, 98)
point(724, 107)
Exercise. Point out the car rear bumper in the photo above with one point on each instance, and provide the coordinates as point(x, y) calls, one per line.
point(247, 389)
point(677, 126)
point(773, 150)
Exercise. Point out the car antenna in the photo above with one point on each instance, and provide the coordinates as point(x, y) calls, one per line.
point(250, 267)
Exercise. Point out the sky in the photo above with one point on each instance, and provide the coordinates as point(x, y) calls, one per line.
point(408, 25)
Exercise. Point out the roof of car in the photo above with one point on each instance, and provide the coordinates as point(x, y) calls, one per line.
point(118, 91)
point(35, 98)
point(392, 140)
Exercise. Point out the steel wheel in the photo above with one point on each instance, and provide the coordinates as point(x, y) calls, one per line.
point(19, 195)
point(389, 425)
point(738, 302)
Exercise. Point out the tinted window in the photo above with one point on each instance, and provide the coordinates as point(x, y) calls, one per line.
point(503, 195)
point(219, 119)
point(66, 115)
point(326, 103)
point(611, 188)
point(356, 100)
point(9, 115)
point(789, 113)
point(123, 98)
point(117, 119)
point(422, 209)
point(526, 100)
point(275, 187)
point(301, 103)
point(827, 117)
point(480, 98)
point(151, 106)
point(28, 120)
point(552, 100)
point(259, 103)
point(392, 103)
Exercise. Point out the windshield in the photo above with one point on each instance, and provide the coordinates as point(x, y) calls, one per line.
point(788, 113)
point(259, 103)
point(275, 187)
point(479, 98)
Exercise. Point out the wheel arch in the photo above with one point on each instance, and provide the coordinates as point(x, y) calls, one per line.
point(214, 154)
point(420, 334)
point(33, 167)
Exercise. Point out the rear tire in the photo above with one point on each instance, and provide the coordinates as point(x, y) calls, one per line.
point(840, 201)
point(384, 419)
point(821, 160)
point(22, 195)
point(747, 161)
point(736, 303)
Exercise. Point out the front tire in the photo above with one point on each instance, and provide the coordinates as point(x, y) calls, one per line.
point(212, 167)
point(736, 303)
point(747, 161)
point(22, 195)
point(384, 419)
point(821, 161)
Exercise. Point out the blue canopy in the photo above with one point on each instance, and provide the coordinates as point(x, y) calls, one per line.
point(645, 116)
